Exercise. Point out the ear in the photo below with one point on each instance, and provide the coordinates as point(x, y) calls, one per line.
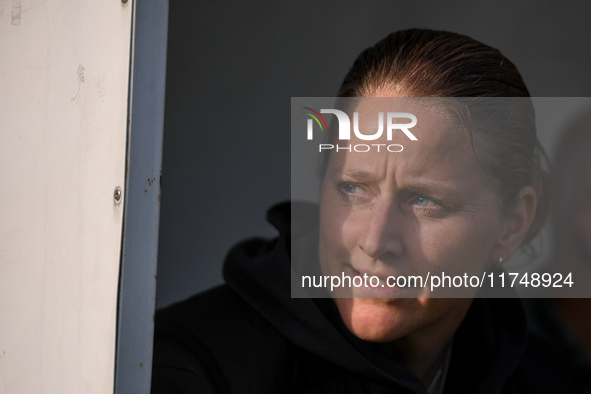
point(516, 225)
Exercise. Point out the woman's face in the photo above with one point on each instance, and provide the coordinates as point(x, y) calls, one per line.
point(425, 210)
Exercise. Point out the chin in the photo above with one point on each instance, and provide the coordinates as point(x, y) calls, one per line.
point(378, 319)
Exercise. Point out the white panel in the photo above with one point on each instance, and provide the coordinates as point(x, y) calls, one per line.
point(64, 69)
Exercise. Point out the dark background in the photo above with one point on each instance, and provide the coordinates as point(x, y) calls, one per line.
point(233, 67)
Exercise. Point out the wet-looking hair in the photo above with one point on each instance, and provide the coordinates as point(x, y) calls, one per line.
point(427, 63)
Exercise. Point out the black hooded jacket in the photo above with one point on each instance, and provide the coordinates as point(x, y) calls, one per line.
point(250, 336)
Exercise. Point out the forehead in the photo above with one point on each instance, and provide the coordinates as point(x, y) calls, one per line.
point(433, 121)
point(441, 150)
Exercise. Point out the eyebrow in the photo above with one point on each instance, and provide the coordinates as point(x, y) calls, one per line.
point(357, 174)
point(426, 186)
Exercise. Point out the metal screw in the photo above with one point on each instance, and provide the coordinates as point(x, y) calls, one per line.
point(117, 194)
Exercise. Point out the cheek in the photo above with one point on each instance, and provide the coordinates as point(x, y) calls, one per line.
point(330, 241)
point(458, 245)
point(338, 232)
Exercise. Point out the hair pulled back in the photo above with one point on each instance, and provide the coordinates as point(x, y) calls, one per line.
point(427, 63)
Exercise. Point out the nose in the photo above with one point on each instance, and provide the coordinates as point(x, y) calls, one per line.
point(382, 238)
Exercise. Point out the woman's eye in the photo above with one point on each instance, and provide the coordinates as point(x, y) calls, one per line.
point(352, 192)
point(423, 202)
point(426, 205)
point(352, 189)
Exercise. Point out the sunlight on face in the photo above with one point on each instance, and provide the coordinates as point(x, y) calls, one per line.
point(427, 209)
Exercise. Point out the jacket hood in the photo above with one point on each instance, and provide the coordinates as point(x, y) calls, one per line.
point(486, 349)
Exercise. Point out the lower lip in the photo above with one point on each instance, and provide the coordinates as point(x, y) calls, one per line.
point(380, 290)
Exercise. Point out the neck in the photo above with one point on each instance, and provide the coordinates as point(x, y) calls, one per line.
point(423, 352)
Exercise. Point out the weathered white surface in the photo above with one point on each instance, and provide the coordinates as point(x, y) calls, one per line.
point(64, 69)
